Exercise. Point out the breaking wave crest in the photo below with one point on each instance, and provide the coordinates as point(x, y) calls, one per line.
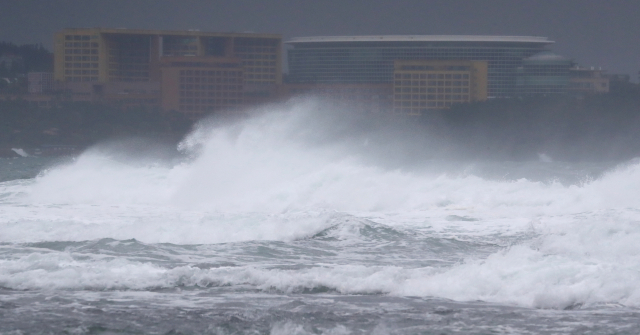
point(296, 175)
point(549, 272)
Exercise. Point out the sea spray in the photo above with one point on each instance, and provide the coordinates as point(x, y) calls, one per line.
point(280, 221)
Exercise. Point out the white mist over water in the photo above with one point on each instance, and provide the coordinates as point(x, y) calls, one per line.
point(290, 174)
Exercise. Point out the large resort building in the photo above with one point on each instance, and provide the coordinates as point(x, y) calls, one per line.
point(189, 71)
point(423, 72)
point(197, 72)
point(370, 59)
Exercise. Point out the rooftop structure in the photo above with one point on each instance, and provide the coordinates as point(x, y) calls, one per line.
point(422, 38)
point(370, 59)
point(543, 74)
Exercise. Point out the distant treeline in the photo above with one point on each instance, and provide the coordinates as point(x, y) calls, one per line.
point(82, 124)
point(35, 58)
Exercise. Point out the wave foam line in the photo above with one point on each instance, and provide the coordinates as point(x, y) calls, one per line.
point(519, 275)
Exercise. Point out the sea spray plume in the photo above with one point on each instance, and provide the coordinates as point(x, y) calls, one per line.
point(308, 153)
point(305, 154)
point(382, 139)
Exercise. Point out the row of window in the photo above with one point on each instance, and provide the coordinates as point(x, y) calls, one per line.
point(256, 56)
point(211, 80)
point(81, 65)
point(259, 63)
point(121, 55)
point(260, 69)
point(178, 46)
point(359, 97)
point(130, 79)
point(587, 85)
point(432, 83)
point(240, 49)
point(210, 73)
point(267, 77)
point(431, 90)
point(413, 111)
point(79, 79)
point(139, 101)
point(350, 90)
point(81, 58)
point(429, 104)
point(431, 76)
point(81, 72)
point(80, 45)
point(426, 97)
point(81, 51)
point(129, 59)
point(420, 52)
point(116, 73)
point(179, 53)
point(77, 37)
point(348, 60)
point(168, 47)
point(210, 87)
point(130, 67)
point(433, 67)
point(211, 94)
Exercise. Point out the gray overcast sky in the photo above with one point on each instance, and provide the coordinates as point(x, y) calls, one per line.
point(593, 32)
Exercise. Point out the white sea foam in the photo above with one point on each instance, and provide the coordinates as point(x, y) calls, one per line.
point(277, 162)
point(553, 272)
point(275, 178)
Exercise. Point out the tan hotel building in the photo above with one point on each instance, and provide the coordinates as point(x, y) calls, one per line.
point(188, 71)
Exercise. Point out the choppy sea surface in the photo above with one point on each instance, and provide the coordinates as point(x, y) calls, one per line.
point(265, 226)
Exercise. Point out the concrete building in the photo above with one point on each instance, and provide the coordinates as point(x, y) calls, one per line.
point(587, 80)
point(132, 65)
point(370, 59)
point(39, 82)
point(544, 73)
point(197, 85)
point(420, 85)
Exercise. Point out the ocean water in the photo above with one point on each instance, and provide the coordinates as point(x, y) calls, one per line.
point(295, 221)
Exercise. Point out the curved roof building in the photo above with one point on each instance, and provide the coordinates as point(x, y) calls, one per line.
point(370, 59)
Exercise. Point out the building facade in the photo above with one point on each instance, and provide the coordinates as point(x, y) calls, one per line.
point(370, 59)
point(97, 60)
point(420, 85)
point(544, 73)
point(197, 85)
point(587, 80)
point(39, 82)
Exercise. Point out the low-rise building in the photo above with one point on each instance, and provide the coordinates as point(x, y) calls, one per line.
point(588, 80)
point(40, 82)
